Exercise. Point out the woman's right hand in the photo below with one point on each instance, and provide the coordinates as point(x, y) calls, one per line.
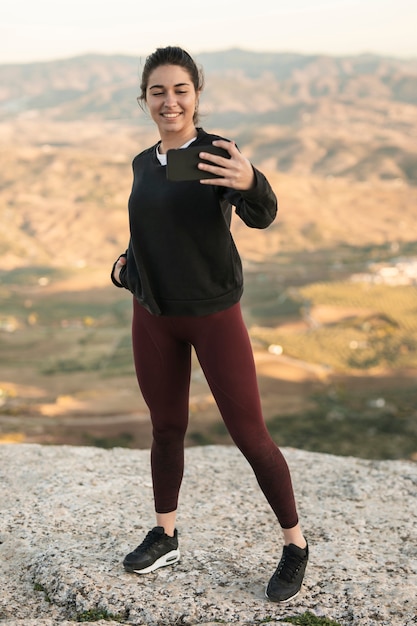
point(121, 261)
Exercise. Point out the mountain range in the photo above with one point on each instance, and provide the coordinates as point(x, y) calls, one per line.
point(71, 88)
point(323, 128)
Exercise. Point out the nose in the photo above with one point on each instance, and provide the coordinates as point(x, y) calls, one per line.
point(170, 98)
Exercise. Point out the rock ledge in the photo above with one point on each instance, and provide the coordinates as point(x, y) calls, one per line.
point(69, 515)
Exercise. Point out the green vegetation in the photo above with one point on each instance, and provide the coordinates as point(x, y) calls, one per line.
point(354, 424)
point(373, 326)
point(370, 328)
point(122, 440)
point(308, 619)
point(66, 332)
point(348, 422)
point(95, 615)
point(40, 587)
point(30, 276)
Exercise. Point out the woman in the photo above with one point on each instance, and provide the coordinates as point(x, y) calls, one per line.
point(185, 273)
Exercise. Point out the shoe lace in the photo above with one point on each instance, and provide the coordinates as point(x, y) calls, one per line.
point(289, 566)
point(151, 538)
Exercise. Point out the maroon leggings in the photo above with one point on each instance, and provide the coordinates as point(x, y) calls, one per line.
point(162, 353)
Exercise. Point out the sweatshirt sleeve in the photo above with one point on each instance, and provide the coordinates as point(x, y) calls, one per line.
point(114, 281)
point(258, 206)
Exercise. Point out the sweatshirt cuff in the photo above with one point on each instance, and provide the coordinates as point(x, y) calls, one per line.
point(113, 280)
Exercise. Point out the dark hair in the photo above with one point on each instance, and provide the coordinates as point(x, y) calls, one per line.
point(171, 55)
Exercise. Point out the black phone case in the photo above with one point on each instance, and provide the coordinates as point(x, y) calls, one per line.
point(182, 162)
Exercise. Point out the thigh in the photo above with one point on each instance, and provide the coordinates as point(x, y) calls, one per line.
point(163, 365)
point(225, 354)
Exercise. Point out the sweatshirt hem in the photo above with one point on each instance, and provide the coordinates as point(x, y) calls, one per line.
point(199, 307)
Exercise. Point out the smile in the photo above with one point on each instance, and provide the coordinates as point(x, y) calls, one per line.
point(171, 115)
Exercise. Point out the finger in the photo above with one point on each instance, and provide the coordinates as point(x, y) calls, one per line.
point(236, 176)
point(218, 171)
point(229, 146)
point(221, 182)
point(212, 159)
point(216, 164)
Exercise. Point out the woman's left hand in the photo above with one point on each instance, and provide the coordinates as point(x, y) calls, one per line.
point(236, 172)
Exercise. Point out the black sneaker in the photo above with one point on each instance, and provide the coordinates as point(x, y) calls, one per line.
point(156, 550)
point(286, 582)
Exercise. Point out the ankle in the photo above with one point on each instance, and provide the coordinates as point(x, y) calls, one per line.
point(302, 543)
point(294, 536)
point(167, 521)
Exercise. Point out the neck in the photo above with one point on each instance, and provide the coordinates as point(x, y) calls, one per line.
point(175, 140)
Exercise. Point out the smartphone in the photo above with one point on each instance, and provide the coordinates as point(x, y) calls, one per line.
point(182, 162)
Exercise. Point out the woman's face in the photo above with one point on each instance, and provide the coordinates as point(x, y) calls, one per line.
point(172, 100)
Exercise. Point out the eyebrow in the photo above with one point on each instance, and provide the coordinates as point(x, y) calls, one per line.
point(163, 87)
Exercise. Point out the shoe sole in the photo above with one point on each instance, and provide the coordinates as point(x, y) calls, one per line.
point(282, 601)
point(170, 558)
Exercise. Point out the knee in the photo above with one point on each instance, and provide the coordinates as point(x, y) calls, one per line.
point(257, 449)
point(169, 435)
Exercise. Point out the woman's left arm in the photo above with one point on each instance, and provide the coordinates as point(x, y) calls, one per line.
point(247, 188)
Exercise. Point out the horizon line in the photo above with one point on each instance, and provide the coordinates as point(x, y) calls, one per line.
point(92, 53)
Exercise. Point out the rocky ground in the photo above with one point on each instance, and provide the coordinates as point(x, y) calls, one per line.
point(69, 515)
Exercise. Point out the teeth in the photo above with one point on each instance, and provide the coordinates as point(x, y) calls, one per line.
point(170, 114)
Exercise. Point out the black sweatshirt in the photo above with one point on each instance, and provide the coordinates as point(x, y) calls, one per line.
point(181, 258)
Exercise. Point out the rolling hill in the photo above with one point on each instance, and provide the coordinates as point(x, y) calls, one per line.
point(337, 137)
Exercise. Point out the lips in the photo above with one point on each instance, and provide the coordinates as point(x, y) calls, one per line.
point(171, 116)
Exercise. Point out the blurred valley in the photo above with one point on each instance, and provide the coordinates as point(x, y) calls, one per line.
point(330, 298)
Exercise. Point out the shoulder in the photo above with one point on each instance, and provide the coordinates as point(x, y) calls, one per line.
point(145, 154)
point(203, 137)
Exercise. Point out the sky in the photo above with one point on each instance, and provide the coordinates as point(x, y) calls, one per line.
point(42, 30)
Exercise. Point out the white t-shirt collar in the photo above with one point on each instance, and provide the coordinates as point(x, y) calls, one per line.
point(162, 158)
